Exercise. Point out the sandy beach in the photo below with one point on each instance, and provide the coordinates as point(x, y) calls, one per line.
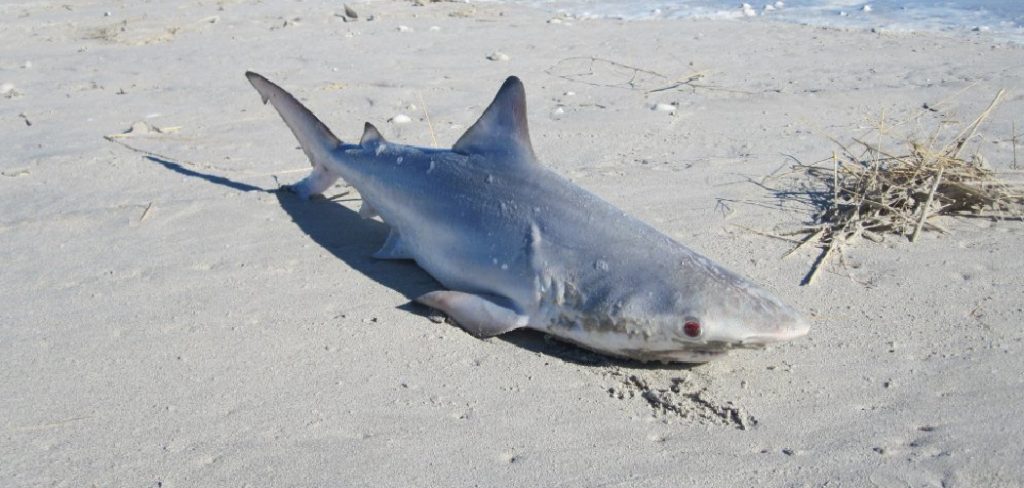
point(168, 320)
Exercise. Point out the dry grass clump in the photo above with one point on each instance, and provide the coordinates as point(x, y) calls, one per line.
point(870, 191)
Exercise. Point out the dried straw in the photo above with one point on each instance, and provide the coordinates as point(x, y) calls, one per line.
point(871, 192)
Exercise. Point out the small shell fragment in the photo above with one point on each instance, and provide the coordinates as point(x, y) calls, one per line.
point(664, 107)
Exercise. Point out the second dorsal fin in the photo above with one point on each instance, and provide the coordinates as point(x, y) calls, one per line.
point(502, 130)
point(370, 135)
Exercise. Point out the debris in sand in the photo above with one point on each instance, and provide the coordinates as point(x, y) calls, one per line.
point(896, 186)
point(463, 13)
point(14, 173)
point(350, 13)
point(145, 212)
point(136, 33)
point(498, 56)
point(138, 129)
point(400, 119)
point(144, 129)
point(8, 90)
point(665, 107)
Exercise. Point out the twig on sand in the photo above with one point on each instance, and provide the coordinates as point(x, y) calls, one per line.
point(606, 73)
point(927, 204)
point(810, 239)
point(433, 138)
point(51, 425)
point(688, 80)
point(822, 259)
point(971, 129)
point(145, 212)
point(585, 69)
point(1013, 141)
point(780, 237)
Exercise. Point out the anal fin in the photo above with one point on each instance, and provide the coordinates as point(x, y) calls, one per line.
point(477, 314)
point(393, 248)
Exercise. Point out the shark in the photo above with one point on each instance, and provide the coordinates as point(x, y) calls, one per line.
point(517, 245)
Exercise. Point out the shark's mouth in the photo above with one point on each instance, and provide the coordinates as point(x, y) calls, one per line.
point(718, 347)
point(684, 352)
point(691, 352)
point(747, 345)
point(710, 353)
point(681, 355)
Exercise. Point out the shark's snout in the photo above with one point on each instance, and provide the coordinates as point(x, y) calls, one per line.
point(752, 318)
point(785, 328)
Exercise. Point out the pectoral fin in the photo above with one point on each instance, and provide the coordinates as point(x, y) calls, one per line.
point(479, 315)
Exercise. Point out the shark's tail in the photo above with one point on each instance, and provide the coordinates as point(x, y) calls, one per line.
point(316, 139)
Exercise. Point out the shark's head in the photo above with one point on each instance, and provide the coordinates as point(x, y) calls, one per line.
point(738, 316)
point(699, 319)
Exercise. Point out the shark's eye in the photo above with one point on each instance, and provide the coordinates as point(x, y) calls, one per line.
point(692, 328)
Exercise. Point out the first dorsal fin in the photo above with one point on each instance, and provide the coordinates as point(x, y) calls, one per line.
point(370, 135)
point(502, 130)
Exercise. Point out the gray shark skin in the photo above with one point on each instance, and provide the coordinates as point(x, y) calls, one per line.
point(517, 245)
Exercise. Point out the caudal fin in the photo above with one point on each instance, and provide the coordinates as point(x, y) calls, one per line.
point(316, 139)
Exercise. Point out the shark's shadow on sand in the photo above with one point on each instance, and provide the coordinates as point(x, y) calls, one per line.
point(353, 239)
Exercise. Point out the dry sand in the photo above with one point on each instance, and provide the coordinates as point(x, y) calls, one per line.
point(169, 322)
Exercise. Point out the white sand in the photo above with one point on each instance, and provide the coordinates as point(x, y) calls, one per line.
point(226, 337)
